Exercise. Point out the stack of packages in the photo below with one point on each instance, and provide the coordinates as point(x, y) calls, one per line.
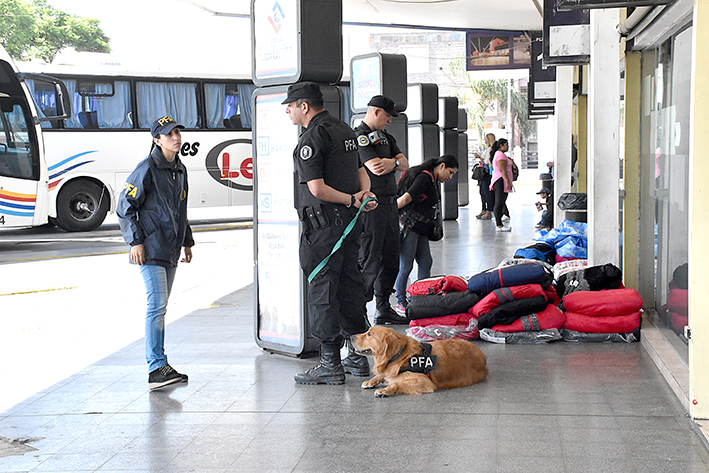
point(519, 304)
point(438, 308)
point(597, 306)
point(516, 295)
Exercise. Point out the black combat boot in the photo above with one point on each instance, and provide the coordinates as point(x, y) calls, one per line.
point(329, 371)
point(384, 314)
point(354, 364)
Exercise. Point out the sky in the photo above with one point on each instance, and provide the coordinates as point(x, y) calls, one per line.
point(173, 36)
point(167, 36)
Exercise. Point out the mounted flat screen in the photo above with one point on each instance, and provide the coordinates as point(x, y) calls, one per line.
point(487, 50)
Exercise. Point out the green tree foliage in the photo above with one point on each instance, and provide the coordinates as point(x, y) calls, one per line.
point(488, 93)
point(35, 29)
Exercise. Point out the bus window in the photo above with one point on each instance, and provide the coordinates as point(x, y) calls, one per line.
point(45, 100)
point(16, 154)
point(222, 106)
point(100, 105)
point(176, 99)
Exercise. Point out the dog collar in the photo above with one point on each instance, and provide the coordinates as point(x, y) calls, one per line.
point(423, 363)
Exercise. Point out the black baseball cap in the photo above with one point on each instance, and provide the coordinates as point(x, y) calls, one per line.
point(303, 90)
point(385, 103)
point(545, 190)
point(163, 126)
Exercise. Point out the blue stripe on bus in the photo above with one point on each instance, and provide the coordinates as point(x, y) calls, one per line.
point(53, 167)
point(64, 171)
point(12, 205)
point(16, 214)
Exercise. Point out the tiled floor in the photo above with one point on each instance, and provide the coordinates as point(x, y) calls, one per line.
point(562, 407)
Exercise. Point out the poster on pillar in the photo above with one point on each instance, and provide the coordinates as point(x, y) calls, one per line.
point(566, 36)
point(279, 321)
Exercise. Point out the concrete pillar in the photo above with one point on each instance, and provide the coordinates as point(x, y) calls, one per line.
point(564, 122)
point(603, 139)
point(698, 222)
point(631, 172)
point(582, 145)
point(639, 203)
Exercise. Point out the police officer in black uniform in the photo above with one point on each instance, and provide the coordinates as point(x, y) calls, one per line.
point(379, 252)
point(330, 186)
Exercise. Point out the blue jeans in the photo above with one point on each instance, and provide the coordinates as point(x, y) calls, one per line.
point(158, 284)
point(416, 247)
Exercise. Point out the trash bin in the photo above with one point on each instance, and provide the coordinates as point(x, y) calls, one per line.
point(574, 206)
point(547, 180)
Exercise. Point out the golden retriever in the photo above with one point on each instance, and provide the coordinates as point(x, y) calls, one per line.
point(459, 362)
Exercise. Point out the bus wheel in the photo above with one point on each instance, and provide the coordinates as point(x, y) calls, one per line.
point(81, 206)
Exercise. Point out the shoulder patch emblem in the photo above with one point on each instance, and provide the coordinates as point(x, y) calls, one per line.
point(362, 140)
point(306, 152)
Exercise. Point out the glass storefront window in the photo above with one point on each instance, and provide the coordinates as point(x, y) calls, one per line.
point(666, 116)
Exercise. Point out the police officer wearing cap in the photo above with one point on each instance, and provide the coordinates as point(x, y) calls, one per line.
point(379, 252)
point(330, 186)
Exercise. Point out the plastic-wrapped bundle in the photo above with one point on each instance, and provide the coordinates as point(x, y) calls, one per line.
point(444, 332)
point(573, 336)
point(527, 338)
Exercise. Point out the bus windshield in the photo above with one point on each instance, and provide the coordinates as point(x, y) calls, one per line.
point(17, 157)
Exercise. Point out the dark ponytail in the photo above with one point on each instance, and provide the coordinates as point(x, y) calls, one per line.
point(448, 160)
point(496, 147)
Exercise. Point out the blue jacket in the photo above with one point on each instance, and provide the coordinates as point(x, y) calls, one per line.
point(152, 209)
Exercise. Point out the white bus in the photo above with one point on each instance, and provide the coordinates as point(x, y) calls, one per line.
point(24, 193)
point(90, 153)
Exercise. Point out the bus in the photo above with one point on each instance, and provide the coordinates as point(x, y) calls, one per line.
point(91, 152)
point(24, 193)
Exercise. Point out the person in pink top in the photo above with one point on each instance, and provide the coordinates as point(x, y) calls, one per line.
point(501, 183)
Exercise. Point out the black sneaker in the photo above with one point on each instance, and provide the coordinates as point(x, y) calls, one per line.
point(164, 376)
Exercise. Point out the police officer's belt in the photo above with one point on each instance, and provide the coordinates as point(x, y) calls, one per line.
point(337, 246)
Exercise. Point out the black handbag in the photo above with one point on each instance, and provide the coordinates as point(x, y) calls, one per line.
point(479, 172)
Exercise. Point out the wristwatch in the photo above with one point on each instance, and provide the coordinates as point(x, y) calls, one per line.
point(396, 162)
point(352, 202)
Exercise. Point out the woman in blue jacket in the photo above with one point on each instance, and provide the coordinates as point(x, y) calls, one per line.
point(152, 212)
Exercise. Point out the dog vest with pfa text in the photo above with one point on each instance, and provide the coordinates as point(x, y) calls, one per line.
point(423, 363)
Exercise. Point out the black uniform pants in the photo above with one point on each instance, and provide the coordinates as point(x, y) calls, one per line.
point(379, 253)
point(336, 304)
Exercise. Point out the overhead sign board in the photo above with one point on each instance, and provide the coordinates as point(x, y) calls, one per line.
point(378, 74)
point(296, 40)
point(567, 36)
point(542, 79)
point(588, 4)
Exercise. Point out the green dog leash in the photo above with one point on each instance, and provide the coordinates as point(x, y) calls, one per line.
point(337, 246)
